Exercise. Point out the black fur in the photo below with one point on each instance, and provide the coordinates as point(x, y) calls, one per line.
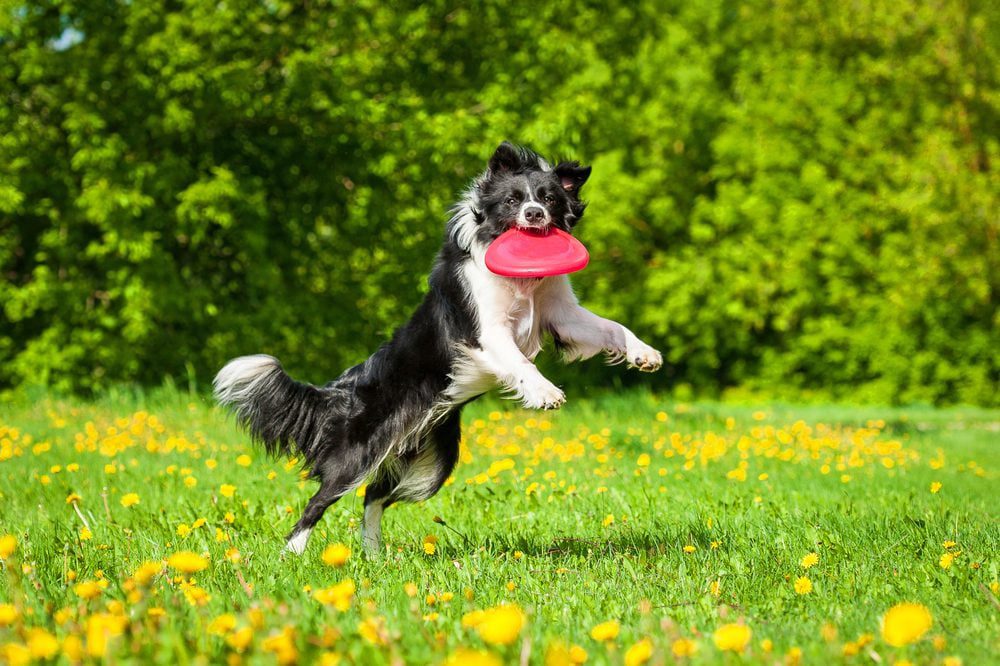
point(389, 420)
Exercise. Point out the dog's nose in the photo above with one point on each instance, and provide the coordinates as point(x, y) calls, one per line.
point(534, 215)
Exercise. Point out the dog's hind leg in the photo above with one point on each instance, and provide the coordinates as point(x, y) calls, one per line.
point(327, 494)
point(411, 478)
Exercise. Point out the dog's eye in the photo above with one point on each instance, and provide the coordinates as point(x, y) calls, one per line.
point(511, 201)
point(549, 199)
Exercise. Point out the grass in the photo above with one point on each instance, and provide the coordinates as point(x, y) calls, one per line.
point(671, 519)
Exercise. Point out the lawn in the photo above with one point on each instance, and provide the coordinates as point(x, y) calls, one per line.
point(620, 529)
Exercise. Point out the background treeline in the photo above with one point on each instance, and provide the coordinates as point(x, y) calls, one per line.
point(787, 196)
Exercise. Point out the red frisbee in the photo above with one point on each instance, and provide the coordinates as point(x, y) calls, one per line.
point(530, 253)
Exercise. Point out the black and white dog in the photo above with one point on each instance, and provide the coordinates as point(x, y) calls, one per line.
point(394, 420)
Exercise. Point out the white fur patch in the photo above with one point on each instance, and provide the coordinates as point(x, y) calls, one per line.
point(371, 528)
point(420, 477)
point(297, 544)
point(238, 379)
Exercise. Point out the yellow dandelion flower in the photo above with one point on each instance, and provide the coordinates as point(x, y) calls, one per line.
point(240, 639)
point(87, 589)
point(339, 596)
point(41, 644)
point(946, 560)
point(187, 562)
point(146, 572)
point(639, 653)
point(689, 549)
point(244, 460)
point(222, 625)
point(683, 647)
point(190, 482)
point(906, 623)
point(935, 486)
point(183, 530)
point(410, 589)
point(643, 460)
point(336, 555)
point(605, 631)
point(608, 520)
point(372, 630)
point(8, 615)
point(73, 497)
point(130, 499)
point(949, 544)
point(803, 585)
point(732, 637)
point(809, 560)
point(8, 544)
point(429, 548)
point(501, 625)
point(85, 534)
point(951, 661)
point(227, 490)
point(282, 645)
point(470, 657)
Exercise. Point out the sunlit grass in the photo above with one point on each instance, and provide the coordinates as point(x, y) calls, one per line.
point(623, 529)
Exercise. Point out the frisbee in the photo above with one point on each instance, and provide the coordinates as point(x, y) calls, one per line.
point(530, 253)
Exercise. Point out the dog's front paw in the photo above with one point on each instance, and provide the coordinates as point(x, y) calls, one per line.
point(643, 357)
point(541, 395)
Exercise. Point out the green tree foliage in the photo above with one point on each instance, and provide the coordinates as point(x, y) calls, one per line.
point(795, 195)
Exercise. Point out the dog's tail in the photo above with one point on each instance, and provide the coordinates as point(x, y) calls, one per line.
point(281, 413)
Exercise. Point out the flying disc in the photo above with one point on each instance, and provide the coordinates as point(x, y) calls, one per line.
point(530, 253)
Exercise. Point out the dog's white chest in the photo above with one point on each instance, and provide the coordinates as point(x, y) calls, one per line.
point(523, 321)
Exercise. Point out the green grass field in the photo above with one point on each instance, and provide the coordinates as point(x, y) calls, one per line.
point(673, 520)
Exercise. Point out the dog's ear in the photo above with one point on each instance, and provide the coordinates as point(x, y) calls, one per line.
point(505, 158)
point(572, 176)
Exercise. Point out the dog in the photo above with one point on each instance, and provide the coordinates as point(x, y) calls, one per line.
point(394, 420)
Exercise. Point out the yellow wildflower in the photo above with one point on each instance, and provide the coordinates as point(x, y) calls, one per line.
point(809, 560)
point(906, 623)
point(227, 490)
point(87, 589)
point(130, 499)
point(187, 562)
point(803, 585)
point(605, 631)
point(639, 653)
point(684, 647)
point(8, 544)
point(732, 637)
point(501, 625)
point(469, 657)
point(336, 555)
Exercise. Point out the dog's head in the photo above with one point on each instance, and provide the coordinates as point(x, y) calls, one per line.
point(519, 188)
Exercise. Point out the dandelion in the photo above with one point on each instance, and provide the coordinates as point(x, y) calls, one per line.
point(809, 560)
point(130, 499)
point(501, 625)
point(683, 647)
point(689, 549)
point(227, 490)
point(935, 486)
point(946, 560)
point(8, 615)
point(803, 585)
point(336, 555)
point(606, 631)
point(339, 596)
point(8, 544)
point(73, 497)
point(240, 639)
point(187, 562)
point(639, 653)
point(87, 589)
point(222, 624)
point(469, 657)
point(146, 571)
point(410, 589)
point(371, 629)
point(85, 534)
point(183, 530)
point(732, 637)
point(244, 460)
point(906, 623)
point(608, 520)
point(282, 645)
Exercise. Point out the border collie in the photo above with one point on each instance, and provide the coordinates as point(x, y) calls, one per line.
point(394, 420)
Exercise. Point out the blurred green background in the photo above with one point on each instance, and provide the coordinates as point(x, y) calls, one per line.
point(792, 198)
